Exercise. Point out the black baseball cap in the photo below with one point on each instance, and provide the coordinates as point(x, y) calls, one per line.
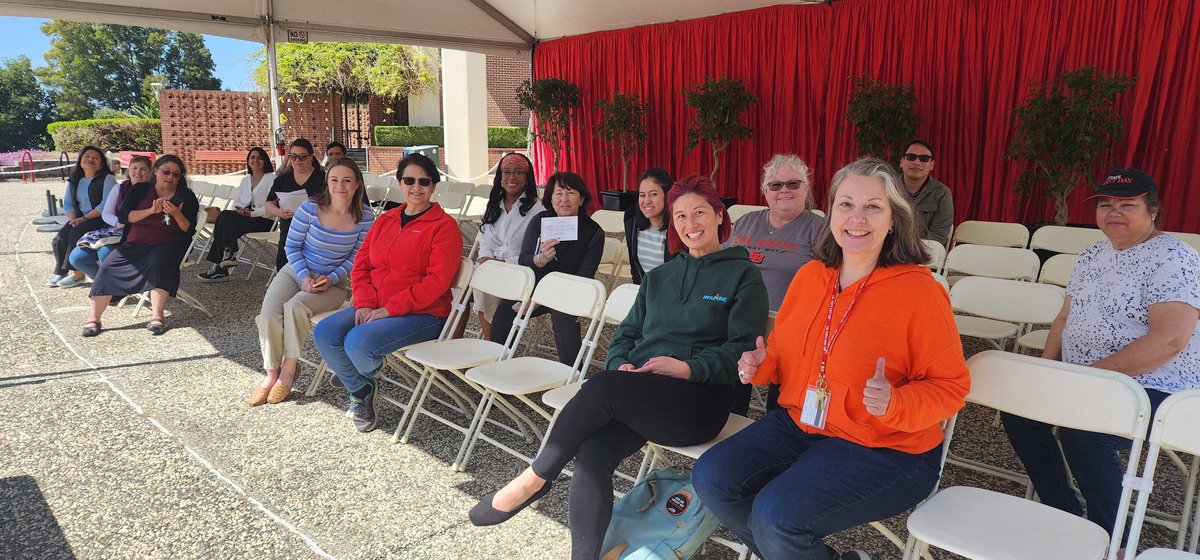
point(1126, 183)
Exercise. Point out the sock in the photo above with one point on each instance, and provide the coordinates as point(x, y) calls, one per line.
point(363, 393)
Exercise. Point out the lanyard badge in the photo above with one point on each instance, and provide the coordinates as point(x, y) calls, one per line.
point(816, 397)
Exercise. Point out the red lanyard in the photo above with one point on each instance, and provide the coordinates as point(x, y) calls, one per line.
point(827, 344)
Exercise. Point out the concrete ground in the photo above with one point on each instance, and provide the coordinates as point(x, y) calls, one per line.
point(134, 446)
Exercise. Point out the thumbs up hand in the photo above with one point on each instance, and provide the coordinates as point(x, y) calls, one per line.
point(749, 362)
point(877, 395)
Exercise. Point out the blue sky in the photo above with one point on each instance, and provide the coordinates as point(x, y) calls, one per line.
point(23, 36)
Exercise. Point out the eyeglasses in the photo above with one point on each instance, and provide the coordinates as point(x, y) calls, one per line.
point(793, 185)
point(174, 174)
point(914, 157)
point(297, 156)
point(423, 181)
point(513, 173)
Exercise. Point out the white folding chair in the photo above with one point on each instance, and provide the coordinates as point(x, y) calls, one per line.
point(452, 202)
point(522, 376)
point(981, 524)
point(1175, 431)
point(1000, 310)
point(996, 234)
point(1063, 239)
point(612, 259)
point(611, 221)
point(1192, 239)
point(378, 197)
point(994, 262)
point(941, 280)
point(1057, 270)
point(369, 178)
point(464, 189)
point(738, 210)
point(455, 356)
point(477, 203)
point(937, 255)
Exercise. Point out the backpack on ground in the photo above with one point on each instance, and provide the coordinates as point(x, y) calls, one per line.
point(661, 518)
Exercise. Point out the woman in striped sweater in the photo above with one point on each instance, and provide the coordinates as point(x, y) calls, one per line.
point(326, 233)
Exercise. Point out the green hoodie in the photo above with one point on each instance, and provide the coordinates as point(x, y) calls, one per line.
point(705, 311)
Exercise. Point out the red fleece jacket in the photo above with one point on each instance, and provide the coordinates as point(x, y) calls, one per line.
point(902, 315)
point(409, 270)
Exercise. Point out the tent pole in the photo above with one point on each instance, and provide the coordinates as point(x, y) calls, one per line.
point(273, 77)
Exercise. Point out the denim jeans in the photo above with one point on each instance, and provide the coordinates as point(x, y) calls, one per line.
point(354, 353)
point(1092, 457)
point(87, 260)
point(781, 490)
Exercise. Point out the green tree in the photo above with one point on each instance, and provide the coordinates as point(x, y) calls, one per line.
point(384, 70)
point(553, 103)
point(622, 127)
point(883, 117)
point(92, 65)
point(719, 106)
point(25, 107)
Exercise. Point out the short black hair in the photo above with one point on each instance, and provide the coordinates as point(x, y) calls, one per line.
point(336, 144)
point(567, 180)
point(422, 161)
point(914, 141)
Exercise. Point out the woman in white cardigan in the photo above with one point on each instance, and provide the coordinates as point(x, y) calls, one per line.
point(248, 216)
point(511, 207)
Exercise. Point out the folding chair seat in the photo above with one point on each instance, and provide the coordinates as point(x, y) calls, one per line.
point(1057, 270)
point(738, 210)
point(1174, 431)
point(978, 524)
point(996, 234)
point(994, 262)
point(522, 376)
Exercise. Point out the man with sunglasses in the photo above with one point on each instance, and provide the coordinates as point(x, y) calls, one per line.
point(931, 197)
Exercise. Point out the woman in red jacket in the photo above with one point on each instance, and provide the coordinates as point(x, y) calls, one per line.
point(400, 286)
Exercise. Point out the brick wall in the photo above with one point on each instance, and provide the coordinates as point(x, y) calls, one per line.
point(504, 75)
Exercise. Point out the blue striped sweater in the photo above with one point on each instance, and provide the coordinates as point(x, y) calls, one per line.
point(315, 249)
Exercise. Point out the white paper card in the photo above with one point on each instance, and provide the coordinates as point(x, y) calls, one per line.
point(563, 229)
point(292, 200)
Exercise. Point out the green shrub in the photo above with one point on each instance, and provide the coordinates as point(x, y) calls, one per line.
point(107, 134)
point(498, 136)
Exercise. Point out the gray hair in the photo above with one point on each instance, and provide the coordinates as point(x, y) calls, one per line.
point(796, 164)
point(903, 244)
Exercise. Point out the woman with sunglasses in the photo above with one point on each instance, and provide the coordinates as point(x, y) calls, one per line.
point(401, 288)
point(302, 174)
point(780, 239)
point(512, 206)
point(159, 218)
point(88, 188)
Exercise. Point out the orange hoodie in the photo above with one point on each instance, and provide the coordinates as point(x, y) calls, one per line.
point(902, 315)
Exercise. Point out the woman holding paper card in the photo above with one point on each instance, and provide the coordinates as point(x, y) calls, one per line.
point(577, 253)
point(303, 177)
point(869, 362)
point(326, 233)
point(512, 205)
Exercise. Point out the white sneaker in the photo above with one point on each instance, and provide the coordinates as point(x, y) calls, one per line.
point(69, 281)
point(53, 281)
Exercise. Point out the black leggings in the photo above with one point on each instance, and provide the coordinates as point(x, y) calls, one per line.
point(611, 418)
point(229, 227)
point(567, 339)
point(66, 240)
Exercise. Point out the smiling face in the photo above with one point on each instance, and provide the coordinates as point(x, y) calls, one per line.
point(786, 202)
point(651, 199)
point(167, 175)
point(416, 196)
point(861, 217)
point(139, 172)
point(513, 179)
point(342, 183)
point(697, 224)
point(91, 162)
point(256, 162)
point(1125, 221)
point(916, 171)
point(566, 201)
point(300, 159)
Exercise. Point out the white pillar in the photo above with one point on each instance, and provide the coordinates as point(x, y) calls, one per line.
point(425, 109)
point(464, 106)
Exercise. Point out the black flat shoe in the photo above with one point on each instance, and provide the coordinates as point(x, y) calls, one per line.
point(483, 514)
point(92, 328)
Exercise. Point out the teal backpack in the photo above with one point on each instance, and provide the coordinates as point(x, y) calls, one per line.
point(661, 518)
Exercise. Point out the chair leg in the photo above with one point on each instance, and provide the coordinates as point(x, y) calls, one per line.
point(485, 405)
point(316, 380)
point(409, 411)
point(192, 301)
point(415, 409)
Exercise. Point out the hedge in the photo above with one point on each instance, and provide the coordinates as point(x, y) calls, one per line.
point(498, 136)
point(107, 134)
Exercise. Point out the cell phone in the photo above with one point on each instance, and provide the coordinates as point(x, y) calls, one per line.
point(175, 200)
point(323, 280)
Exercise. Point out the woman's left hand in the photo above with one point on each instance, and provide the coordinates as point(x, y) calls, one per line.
point(381, 313)
point(877, 395)
point(171, 209)
point(666, 365)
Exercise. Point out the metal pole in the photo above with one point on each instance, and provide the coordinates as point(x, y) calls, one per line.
point(273, 77)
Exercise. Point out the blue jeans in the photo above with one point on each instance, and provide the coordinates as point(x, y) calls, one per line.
point(87, 260)
point(354, 353)
point(1092, 457)
point(781, 490)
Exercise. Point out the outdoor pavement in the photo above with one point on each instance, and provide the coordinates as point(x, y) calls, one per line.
point(133, 446)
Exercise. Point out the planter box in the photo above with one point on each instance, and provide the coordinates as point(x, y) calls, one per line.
point(618, 200)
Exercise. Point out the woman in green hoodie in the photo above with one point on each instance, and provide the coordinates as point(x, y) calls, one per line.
point(671, 368)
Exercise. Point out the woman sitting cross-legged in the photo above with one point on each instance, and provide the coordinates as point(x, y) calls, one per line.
point(327, 231)
point(671, 369)
point(869, 364)
point(400, 288)
point(159, 220)
point(249, 215)
point(94, 246)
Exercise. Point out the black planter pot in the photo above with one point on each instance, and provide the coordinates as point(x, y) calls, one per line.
point(618, 200)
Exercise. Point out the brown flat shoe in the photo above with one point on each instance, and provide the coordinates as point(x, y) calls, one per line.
point(259, 396)
point(279, 393)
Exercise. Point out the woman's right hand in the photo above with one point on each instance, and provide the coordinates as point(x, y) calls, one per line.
point(545, 253)
point(362, 315)
point(157, 206)
point(749, 362)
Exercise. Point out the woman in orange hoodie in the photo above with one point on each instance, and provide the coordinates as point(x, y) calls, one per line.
point(400, 285)
point(870, 364)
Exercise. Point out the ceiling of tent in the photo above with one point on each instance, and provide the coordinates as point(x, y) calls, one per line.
point(503, 27)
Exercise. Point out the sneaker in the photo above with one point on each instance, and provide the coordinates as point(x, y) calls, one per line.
point(229, 260)
point(53, 281)
point(217, 274)
point(69, 281)
point(364, 409)
point(854, 555)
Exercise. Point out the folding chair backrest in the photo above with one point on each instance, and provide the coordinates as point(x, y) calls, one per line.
point(620, 301)
point(1174, 429)
point(738, 210)
point(396, 194)
point(202, 190)
point(1007, 300)
point(570, 294)
point(222, 195)
point(610, 221)
point(1192, 239)
point(504, 280)
point(613, 250)
point(483, 191)
point(451, 202)
point(937, 254)
point(387, 182)
point(994, 262)
point(1063, 239)
point(997, 234)
point(369, 178)
point(942, 280)
point(1057, 270)
point(462, 287)
point(460, 188)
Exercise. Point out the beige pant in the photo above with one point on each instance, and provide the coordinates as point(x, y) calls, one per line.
point(485, 303)
point(286, 317)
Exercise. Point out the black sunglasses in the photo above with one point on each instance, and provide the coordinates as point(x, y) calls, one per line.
point(423, 181)
point(914, 157)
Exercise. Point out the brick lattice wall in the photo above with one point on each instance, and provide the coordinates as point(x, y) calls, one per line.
point(504, 75)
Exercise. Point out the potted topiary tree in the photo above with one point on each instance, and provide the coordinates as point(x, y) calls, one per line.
point(551, 101)
point(622, 128)
point(1065, 128)
point(719, 107)
point(883, 117)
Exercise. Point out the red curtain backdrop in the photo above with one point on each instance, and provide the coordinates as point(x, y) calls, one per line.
point(971, 63)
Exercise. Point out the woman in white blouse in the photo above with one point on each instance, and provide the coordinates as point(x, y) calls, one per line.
point(511, 206)
point(248, 216)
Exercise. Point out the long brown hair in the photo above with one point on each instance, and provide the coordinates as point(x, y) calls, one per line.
point(903, 245)
point(324, 199)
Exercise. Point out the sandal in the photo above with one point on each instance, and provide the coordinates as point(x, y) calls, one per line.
point(92, 328)
point(156, 326)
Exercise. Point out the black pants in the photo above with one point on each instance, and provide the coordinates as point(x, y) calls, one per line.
point(229, 227)
point(612, 417)
point(280, 256)
point(567, 339)
point(66, 240)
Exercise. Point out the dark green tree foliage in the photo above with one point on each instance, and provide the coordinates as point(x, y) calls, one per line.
point(552, 102)
point(622, 127)
point(1065, 128)
point(719, 107)
point(25, 107)
point(883, 117)
point(93, 65)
